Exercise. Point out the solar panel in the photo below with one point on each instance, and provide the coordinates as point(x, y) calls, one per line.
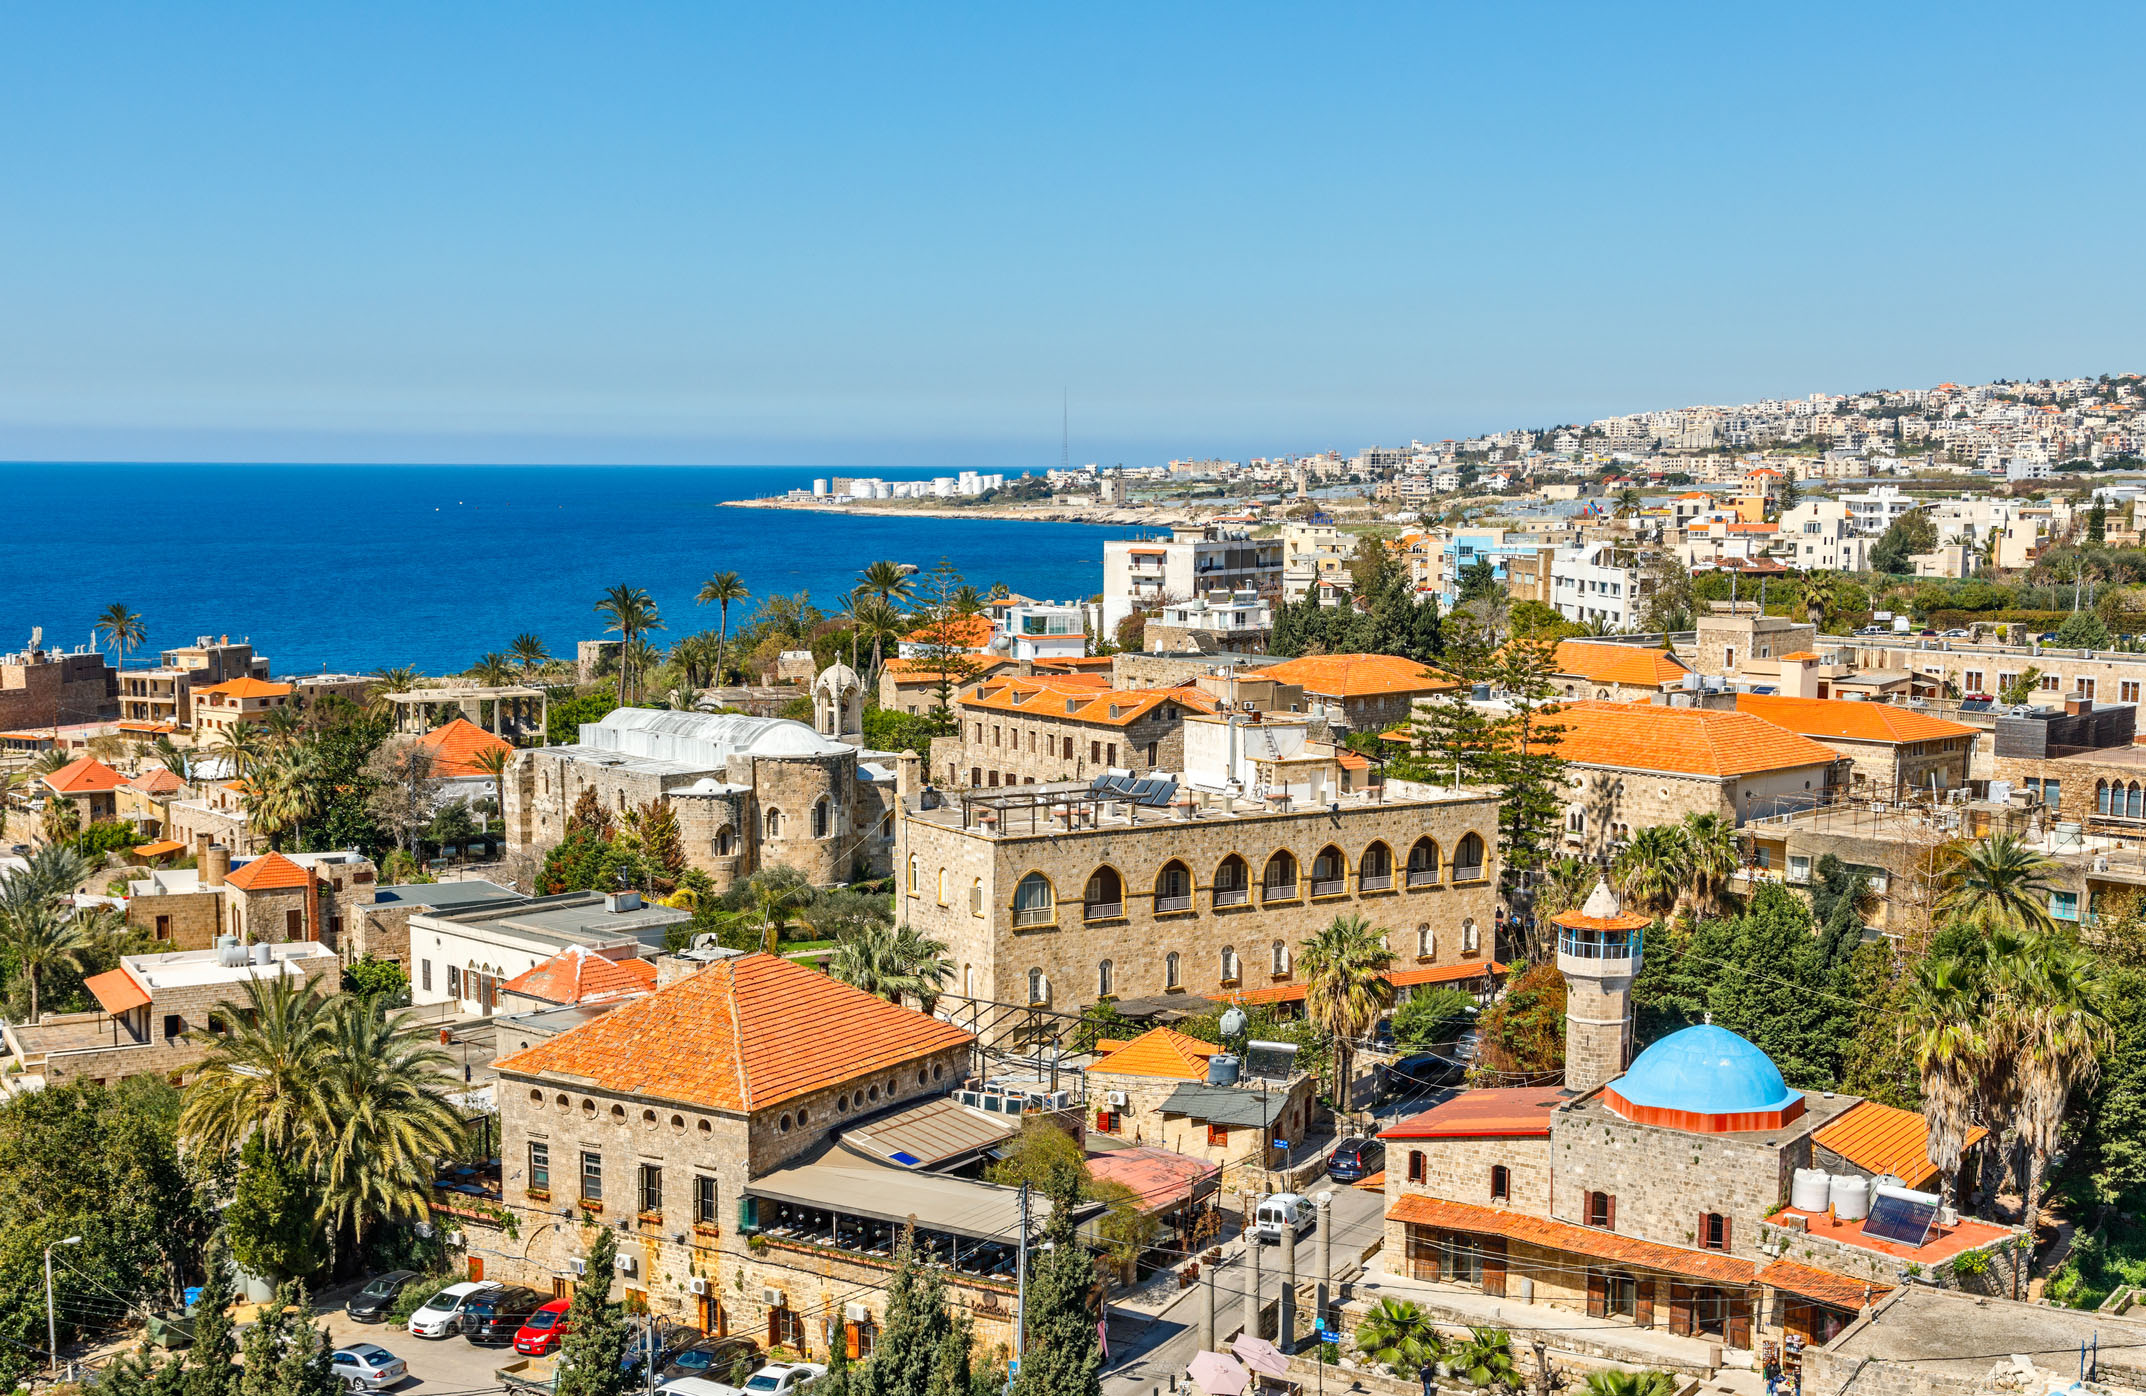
point(1976, 705)
point(1896, 1214)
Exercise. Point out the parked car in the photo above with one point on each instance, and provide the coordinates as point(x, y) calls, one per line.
point(697, 1386)
point(1957, 634)
point(1419, 1072)
point(777, 1378)
point(367, 1367)
point(542, 1330)
point(373, 1303)
point(496, 1315)
point(714, 1359)
point(1286, 1214)
point(442, 1313)
point(1355, 1159)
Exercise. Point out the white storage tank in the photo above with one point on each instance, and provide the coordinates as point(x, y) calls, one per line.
point(1809, 1190)
point(1851, 1197)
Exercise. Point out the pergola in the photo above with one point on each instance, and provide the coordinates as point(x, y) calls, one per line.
point(517, 712)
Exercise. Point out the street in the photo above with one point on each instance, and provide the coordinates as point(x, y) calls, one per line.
point(1146, 1355)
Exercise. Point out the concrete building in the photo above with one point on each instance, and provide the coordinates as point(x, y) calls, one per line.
point(1019, 731)
point(1820, 535)
point(1140, 574)
point(219, 708)
point(1877, 509)
point(1043, 630)
point(1597, 582)
point(462, 957)
point(1314, 554)
point(1220, 620)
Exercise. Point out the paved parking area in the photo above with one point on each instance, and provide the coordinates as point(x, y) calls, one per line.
point(437, 1365)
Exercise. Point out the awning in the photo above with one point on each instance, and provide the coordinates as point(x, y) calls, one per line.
point(158, 849)
point(1232, 1107)
point(1822, 1287)
point(838, 1181)
point(1399, 979)
point(930, 1134)
point(1161, 1178)
point(116, 991)
point(1261, 1356)
point(1217, 1375)
point(1711, 1267)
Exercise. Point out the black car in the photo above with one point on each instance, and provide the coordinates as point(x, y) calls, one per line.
point(1353, 1160)
point(372, 1303)
point(713, 1359)
point(496, 1315)
point(1420, 1072)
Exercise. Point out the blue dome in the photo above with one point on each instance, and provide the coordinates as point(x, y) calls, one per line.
point(1705, 1071)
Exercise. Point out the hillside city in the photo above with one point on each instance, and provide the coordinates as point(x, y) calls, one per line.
point(1651, 906)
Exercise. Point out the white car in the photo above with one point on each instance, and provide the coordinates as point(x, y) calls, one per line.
point(695, 1386)
point(780, 1378)
point(442, 1313)
point(1284, 1214)
point(368, 1367)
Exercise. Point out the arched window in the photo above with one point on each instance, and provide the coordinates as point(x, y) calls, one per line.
point(1033, 902)
point(912, 874)
point(1329, 873)
point(940, 893)
point(726, 842)
point(822, 819)
point(2101, 797)
point(1172, 978)
point(1468, 859)
point(1233, 882)
point(1470, 940)
point(1423, 864)
point(1103, 989)
point(1416, 1171)
point(774, 823)
point(1374, 873)
point(1105, 895)
point(976, 897)
point(1279, 882)
point(1229, 964)
point(1281, 957)
point(2134, 806)
point(1039, 988)
point(1426, 942)
point(1173, 887)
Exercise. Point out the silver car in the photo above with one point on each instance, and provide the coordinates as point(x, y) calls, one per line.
point(368, 1367)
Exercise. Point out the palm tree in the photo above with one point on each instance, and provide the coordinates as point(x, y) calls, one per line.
point(241, 745)
point(1399, 1336)
point(400, 679)
point(632, 613)
point(494, 762)
point(382, 1125)
point(885, 580)
point(1650, 869)
point(1616, 1381)
point(892, 963)
point(638, 657)
point(720, 590)
point(1942, 1027)
point(874, 618)
point(122, 630)
point(169, 756)
point(38, 935)
point(773, 912)
point(493, 669)
point(2055, 995)
point(1345, 987)
point(52, 872)
point(966, 601)
point(529, 652)
point(1709, 861)
point(62, 820)
point(1822, 597)
point(266, 1067)
point(287, 789)
point(1999, 882)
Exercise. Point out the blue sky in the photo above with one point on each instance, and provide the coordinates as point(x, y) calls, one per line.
point(892, 234)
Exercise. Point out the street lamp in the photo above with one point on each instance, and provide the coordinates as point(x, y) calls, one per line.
point(52, 1327)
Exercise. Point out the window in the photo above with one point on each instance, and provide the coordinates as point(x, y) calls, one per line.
point(163, 928)
point(976, 897)
point(1423, 864)
point(540, 1165)
point(1102, 980)
point(2101, 797)
point(1218, 1136)
point(703, 1200)
point(1468, 859)
point(1105, 895)
point(1471, 940)
point(1229, 964)
point(940, 885)
point(1602, 1210)
point(1279, 881)
point(822, 819)
point(454, 981)
point(726, 842)
point(424, 971)
point(1971, 681)
point(1713, 1231)
point(1039, 988)
point(651, 1189)
point(1728, 657)
point(1426, 941)
point(174, 1025)
point(1232, 882)
point(1171, 976)
point(2051, 683)
point(2086, 688)
point(1374, 872)
point(1110, 754)
point(592, 1177)
point(2052, 790)
point(1281, 957)
point(1575, 820)
point(774, 823)
point(1173, 887)
point(1329, 872)
point(1501, 1183)
point(294, 925)
point(1416, 1169)
point(912, 874)
point(2064, 906)
point(2128, 691)
point(1033, 904)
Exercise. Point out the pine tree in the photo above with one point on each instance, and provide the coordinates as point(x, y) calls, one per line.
point(307, 1367)
point(900, 1364)
point(951, 1371)
point(1062, 1354)
point(209, 1370)
point(140, 1374)
point(596, 1329)
point(1524, 763)
point(265, 1344)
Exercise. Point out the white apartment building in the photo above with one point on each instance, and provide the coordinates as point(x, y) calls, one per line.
point(1043, 630)
point(1139, 573)
point(1229, 618)
point(1312, 553)
point(1876, 509)
point(460, 956)
point(1587, 585)
point(1822, 535)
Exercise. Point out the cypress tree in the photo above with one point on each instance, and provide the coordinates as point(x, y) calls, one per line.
point(900, 1364)
point(209, 1370)
point(1062, 1354)
point(596, 1333)
point(306, 1368)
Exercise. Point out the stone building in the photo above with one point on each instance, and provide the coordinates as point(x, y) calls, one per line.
point(914, 685)
point(1051, 895)
point(749, 792)
point(89, 785)
point(42, 687)
point(163, 696)
point(1163, 1088)
point(146, 1008)
point(515, 713)
point(1057, 727)
point(1891, 749)
point(218, 815)
point(1633, 765)
point(1361, 692)
point(757, 1171)
point(1733, 634)
point(276, 898)
point(1617, 673)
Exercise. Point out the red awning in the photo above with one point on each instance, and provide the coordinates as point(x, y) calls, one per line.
point(116, 991)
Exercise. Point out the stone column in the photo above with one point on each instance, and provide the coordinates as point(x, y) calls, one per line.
point(1251, 1256)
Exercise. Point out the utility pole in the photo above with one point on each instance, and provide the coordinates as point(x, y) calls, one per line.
point(1207, 1307)
point(1020, 1283)
point(1251, 1255)
point(1326, 1257)
point(52, 1325)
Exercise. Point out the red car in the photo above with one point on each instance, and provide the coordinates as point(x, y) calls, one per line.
point(543, 1330)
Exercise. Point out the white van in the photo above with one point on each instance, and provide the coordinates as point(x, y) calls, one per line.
point(1284, 1213)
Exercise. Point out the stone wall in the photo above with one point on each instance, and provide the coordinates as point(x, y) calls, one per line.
point(164, 1050)
point(1458, 1170)
point(188, 920)
point(1994, 1278)
point(995, 747)
point(1243, 1155)
point(1663, 1180)
point(56, 689)
point(1598, 1028)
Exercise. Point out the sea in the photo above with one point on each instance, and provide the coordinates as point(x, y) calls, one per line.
point(338, 568)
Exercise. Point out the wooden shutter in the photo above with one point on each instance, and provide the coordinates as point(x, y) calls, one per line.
point(1643, 1303)
point(1422, 1253)
point(1609, 1202)
point(1725, 1231)
point(1740, 1321)
point(1494, 1265)
point(849, 1341)
point(1597, 1294)
point(1680, 1310)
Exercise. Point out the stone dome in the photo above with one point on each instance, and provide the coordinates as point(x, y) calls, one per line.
point(1705, 1079)
point(703, 739)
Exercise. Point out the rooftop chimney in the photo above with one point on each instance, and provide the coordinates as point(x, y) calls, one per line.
point(215, 865)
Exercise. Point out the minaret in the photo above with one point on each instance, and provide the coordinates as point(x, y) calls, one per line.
point(1598, 952)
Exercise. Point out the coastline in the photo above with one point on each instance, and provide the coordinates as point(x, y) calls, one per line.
point(1015, 513)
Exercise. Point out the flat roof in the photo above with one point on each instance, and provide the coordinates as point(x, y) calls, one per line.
point(188, 968)
point(838, 1181)
point(445, 894)
point(572, 918)
point(1511, 1112)
point(929, 1134)
point(1963, 1336)
point(1028, 811)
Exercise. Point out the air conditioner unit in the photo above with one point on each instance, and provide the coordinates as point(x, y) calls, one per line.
point(1117, 1100)
point(697, 1285)
point(857, 1313)
point(627, 1265)
point(774, 1299)
point(578, 1266)
point(455, 1238)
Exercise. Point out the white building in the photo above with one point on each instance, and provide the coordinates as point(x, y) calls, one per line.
point(1876, 509)
point(1312, 553)
point(1821, 535)
point(1588, 585)
point(1043, 630)
point(1225, 615)
point(1140, 573)
point(461, 957)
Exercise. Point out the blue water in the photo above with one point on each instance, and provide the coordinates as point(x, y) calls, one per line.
point(363, 567)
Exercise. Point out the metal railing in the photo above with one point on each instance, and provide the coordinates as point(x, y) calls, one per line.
point(1232, 896)
point(1102, 911)
point(1376, 882)
point(1180, 902)
point(1473, 874)
point(1332, 887)
point(1423, 877)
point(1034, 915)
point(1599, 947)
point(1278, 892)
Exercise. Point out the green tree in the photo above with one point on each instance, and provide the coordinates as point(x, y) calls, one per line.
point(209, 1362)
point(2083, 630)
point(1524, 1031)
point(122, 630)
point(1523, 762)
point(892, 962)
point(1431, 1016)
point(1649, 869)
point(632, 613)
point(1999, 882)
point(2097, 524)
point(265, 1062)
point(1399, 1336)
point(2022, 689)
point(1913, 532)
point(720, 590)
point(383, 1123)
point(529, 652)
point(905, 1349)
point(1346, 986)
point(596, 1334)
point(1062, 1354)
point(377, 979)
point(37, 936)
point(270, 1219)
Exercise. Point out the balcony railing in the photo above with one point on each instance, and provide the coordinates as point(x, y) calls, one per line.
point(1377, 882)
point(1474, 874)
point(1278, 892)
point(1331, 887)
point(1232, 896)
point(1594, 946)
point(1423, 877)
point(1180, 902)
point(1034, 915)
point(1103, 911)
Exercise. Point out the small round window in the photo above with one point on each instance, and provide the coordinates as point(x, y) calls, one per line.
point(782, 1126)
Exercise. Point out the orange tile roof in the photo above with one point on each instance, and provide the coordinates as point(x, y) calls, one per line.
point(1160, 1052)
point(1577, 1240)
point(1884, 1139)
point(1632, 664)
point(1509, 1112)
point(456, 745)
point(971, 666)
point(246, 688)
point(580, 975)
point(157, 781)
point(271, 872)
point(968, 632)
point(1371, 1182)
point(1835, 1291)
point(1803, 657)
point(1850, 721)
point(151, 727)
point(84, 776)
point(1076, 698)
point(742, 1035)
point(116, 991)
point(1358, 675)
point(1687, 741)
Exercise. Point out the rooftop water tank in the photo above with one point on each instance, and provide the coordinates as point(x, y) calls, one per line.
point(1851, 1197)
point(1810, 1190)
point(229, 953)
point(263, 953)
point(1222, 1069)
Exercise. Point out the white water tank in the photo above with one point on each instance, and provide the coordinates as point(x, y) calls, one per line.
point(1851, 1197)
point(1810, 1190)
point(229, 953)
